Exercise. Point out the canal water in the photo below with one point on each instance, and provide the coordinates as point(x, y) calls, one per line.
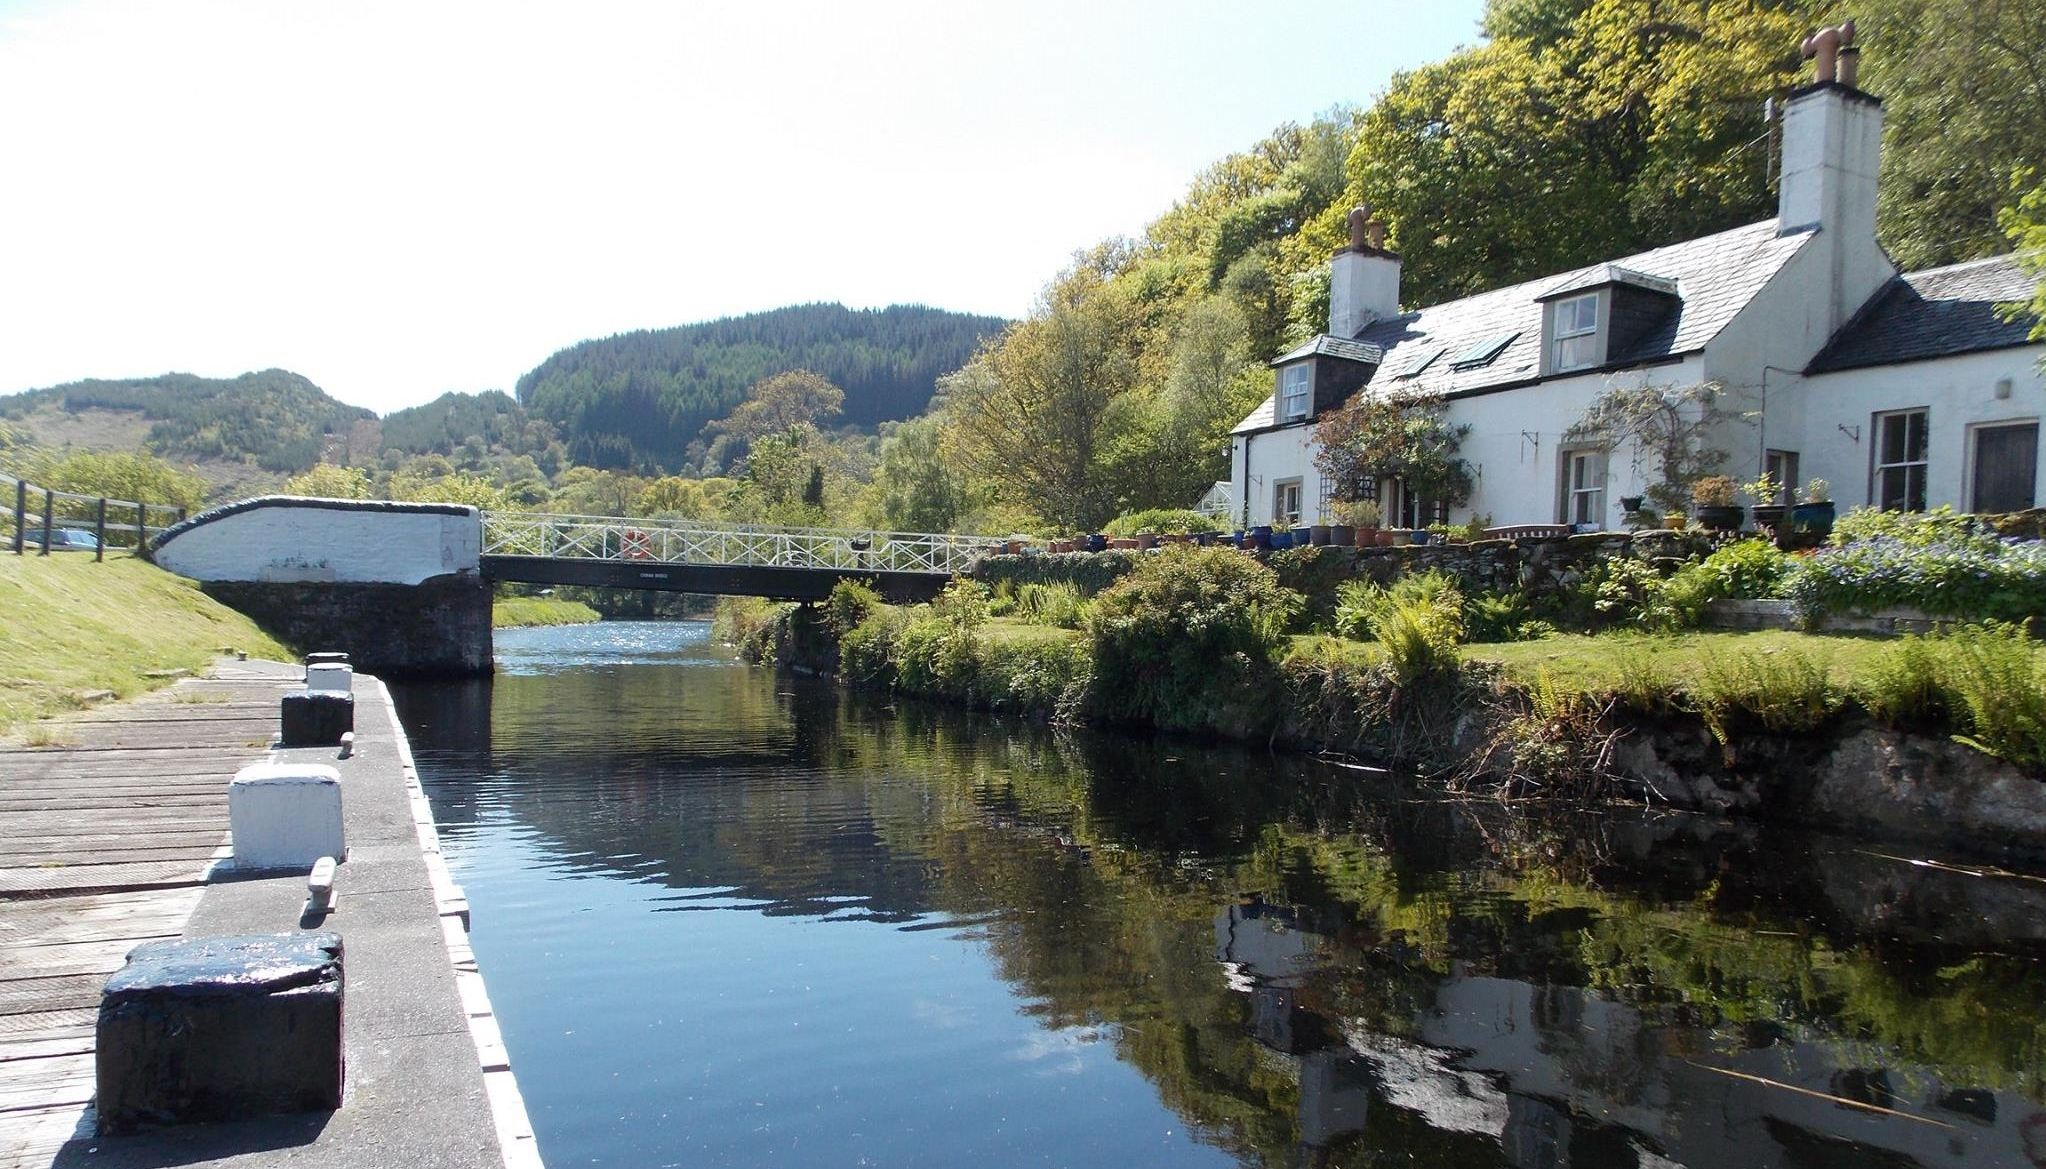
point(730, 918)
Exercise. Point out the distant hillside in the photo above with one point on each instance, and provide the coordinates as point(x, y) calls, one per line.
point(276, 419)
point(640, 399)
point(491, 420)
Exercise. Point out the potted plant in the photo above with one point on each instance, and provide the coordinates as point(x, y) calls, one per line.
point(1318, 532)
point(1768, 496)
point(1814, 512)
point(1261, 536)
point(1713, 497)
point(1361, 517)
point(1676, 520)
point(1147, 539)
point(1630, 503)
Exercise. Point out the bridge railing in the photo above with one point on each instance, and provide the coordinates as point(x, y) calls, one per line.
point(687, 542)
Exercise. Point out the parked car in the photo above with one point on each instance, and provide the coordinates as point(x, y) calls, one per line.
point(64, 539)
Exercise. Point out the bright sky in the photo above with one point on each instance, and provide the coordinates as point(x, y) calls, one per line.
point(399, 199)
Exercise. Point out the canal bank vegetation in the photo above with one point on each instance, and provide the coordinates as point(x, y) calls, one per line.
point(79, 632)
point(522, 612)
point(1600, 685)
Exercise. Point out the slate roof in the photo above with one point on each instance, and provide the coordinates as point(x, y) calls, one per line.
point(1940, 312)
point(1327, 346)
point(1600, 275)
point(1715, 275)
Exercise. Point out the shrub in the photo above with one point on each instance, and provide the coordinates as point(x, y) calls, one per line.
point(1163, 520)
point(1626, 591)
point(934, 656)
point(1784, 691)
point(1190, 639)
point(1992, 674)
point(866, 653)
point(963, 604)
point(1360, 603)
point(746, 623)
point(849, 604)
point(1090, 572)
point(1916, 528)
point(1056, 604)
point(1048, 678)
point(1946, 574)
point(1420, 634)
point(1902, 686)
point(1503, 617)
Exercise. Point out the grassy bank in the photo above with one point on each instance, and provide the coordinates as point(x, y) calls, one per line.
point(75, 628)
point(519, 612)
point(1199, 641)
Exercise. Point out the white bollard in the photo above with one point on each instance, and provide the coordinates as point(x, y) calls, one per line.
point(330, 676)
point(285, 815)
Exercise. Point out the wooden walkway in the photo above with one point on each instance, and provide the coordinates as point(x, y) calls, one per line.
point(105, 840)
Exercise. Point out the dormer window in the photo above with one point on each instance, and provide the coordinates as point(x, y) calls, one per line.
point(1573, 334)
point(1295, 392)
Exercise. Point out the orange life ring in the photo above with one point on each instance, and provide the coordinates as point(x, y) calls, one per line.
point(634, 545)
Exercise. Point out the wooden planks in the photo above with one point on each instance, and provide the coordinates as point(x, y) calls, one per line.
point(107, 845)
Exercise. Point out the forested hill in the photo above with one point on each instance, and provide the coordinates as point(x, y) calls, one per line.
point(275, 419)
point(640, 399)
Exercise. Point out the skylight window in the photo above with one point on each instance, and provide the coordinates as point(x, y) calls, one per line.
point(1427, 359)
point(1484, 352)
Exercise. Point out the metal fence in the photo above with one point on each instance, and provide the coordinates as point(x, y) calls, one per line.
point(685, 542)
point(33, 515)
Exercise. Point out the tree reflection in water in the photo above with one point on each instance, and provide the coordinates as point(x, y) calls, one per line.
point(1310, 964)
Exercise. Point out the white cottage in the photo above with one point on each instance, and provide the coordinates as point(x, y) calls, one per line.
point(1903, 391)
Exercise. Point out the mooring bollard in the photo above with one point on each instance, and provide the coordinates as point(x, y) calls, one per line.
point(325, 658)
point(222, 1028)
point(316, 718)
point(335, 676)
point(285, 816)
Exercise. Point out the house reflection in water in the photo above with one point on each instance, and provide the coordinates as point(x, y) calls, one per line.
point(1557, 1076)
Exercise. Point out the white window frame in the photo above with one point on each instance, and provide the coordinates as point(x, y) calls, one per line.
point(1296, 391)
point(1877, 466)
point(1561, 335)
point(1583, 497)
point(1280, 511)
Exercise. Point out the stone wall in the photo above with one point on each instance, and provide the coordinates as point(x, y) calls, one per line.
point(435, 629)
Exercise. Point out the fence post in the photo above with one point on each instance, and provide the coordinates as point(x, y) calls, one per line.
point(141, 529)
point(20, 514)
point(49, 502)
point(99, 533)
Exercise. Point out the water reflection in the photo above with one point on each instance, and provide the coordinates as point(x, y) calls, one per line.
point(730, 918)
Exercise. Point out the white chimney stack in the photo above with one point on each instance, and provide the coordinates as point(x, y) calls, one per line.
point(1832, 151)
point(1364, 279)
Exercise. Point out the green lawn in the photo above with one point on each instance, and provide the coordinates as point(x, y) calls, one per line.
point(517, 612)
point(1597, 662)
point(1013, 630)
point(73, 627)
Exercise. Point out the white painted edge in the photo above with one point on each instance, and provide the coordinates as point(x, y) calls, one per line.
point(507, 1107)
